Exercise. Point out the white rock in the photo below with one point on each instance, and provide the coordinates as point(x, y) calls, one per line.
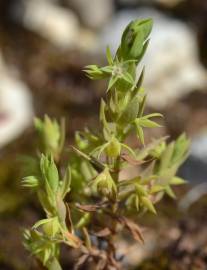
point(199, 146)
point(57, 24)
point(15, 105)
point(168, 3)
point(171, 61)
point(94, 13)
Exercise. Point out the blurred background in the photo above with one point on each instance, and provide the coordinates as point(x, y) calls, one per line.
point(44, 46)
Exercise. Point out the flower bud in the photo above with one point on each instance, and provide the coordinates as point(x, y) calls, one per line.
point(49, 172)
point(51, 228)
point(134, 37)
point(104, 184)
point(114, 148)
point(158, 150)
point(140, 190)
point(52, 175)
point(30, 181)
point(50, 134)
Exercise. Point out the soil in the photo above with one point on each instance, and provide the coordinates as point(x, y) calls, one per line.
point(188, 246)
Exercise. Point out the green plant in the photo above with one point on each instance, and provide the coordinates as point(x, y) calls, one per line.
point(99, 203)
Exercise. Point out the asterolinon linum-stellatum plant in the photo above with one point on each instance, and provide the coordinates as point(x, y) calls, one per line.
point(86, 203)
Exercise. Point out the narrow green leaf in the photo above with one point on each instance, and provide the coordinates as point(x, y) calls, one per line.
point(109, 56)
point(148, 204)
point(52, 175)
point(177, 181)
point(156, 189)
point(112, 81)
point(166, 157)
point(141, 109)
point(107, 69)
point(128, 78)
point(102, 115)
point(148, 123)
point(152, 115)
point(170, 192)
point(62, 134)
point(139, 132)
point(139, 82)
point(129, 149)
point(143, 51)
point(65, 187)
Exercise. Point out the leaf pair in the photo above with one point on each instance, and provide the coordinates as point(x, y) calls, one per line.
point(143, 122)
point(172, 157)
